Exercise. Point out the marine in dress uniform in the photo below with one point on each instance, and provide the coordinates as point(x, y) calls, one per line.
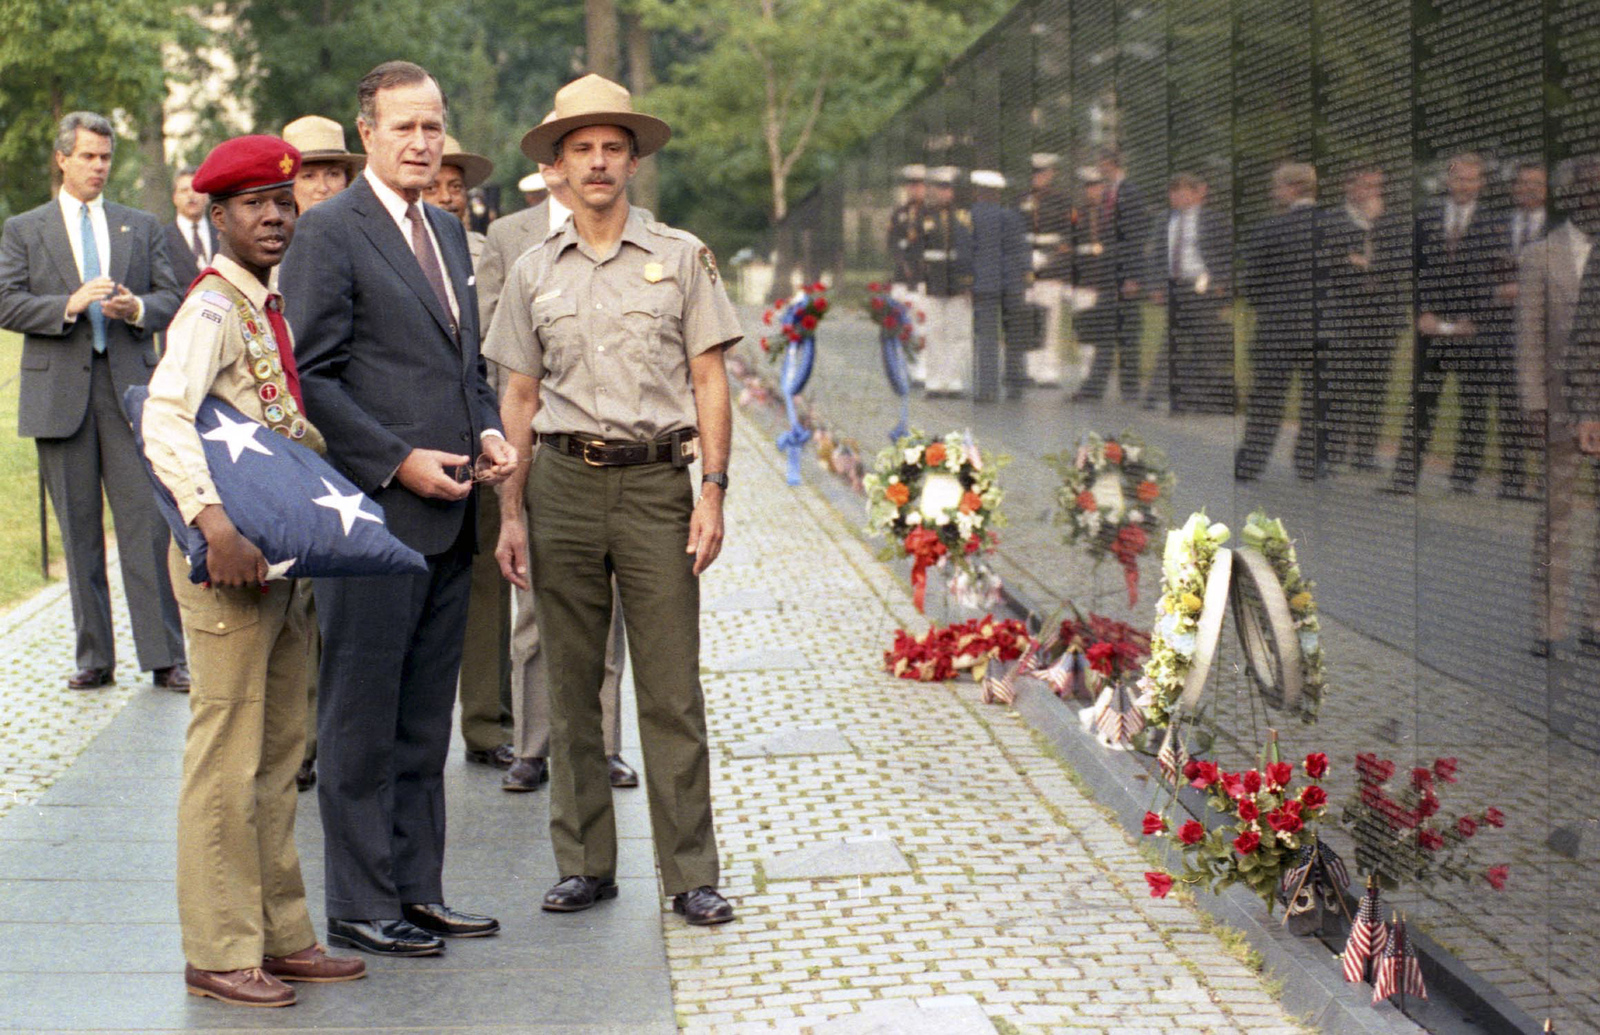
point(241, 902)
point(947, 265)
point(1049, 213)
point(906, 284)
point(614, 332)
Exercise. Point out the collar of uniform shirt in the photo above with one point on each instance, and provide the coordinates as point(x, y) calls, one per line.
point(242, 279)
point(633, 232)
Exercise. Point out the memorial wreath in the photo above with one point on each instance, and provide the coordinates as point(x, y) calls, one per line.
point(1267, 536)
point(1113, 493)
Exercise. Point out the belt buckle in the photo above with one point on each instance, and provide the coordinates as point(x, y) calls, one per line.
point(588, 445)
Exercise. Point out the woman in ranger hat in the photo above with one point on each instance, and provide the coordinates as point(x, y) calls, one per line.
point(326, 168)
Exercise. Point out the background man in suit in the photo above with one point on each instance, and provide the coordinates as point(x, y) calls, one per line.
point(326, 168)
point(190, 238)
point(1191, 259)
point(386, 323)
point(88, 283)
point(1460, 258)
point(1552, 270)
point(508, 238)
point(1001, 266)
point(1278, 255)
point(1124, 222)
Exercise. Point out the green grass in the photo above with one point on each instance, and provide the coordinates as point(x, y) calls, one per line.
point(19, 491)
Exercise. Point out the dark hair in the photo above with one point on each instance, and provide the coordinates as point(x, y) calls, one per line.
point(633, 141)
point(386, 76)
point(67, 130)
point(186, 170)
point(1188, 181)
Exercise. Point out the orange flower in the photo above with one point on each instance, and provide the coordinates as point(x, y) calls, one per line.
point(897, 493)
point(1086, 501)
point(935, 454)
point(1149, 492)
point(1113, 453)
point(970, 503)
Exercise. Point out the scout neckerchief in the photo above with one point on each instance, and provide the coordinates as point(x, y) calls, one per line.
point(277, 379)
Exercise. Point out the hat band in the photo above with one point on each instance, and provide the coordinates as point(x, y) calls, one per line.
point(249, 190)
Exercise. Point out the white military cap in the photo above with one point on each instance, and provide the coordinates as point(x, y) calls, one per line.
point(944, 175)
point(913, 172)
point(1045, 160)
point(988, 178)
point(532, 182)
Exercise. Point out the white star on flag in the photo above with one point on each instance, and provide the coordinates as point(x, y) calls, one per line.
point(277, 571)
point(239, 436)
point(349, 507)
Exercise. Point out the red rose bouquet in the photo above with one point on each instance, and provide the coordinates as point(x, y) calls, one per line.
point(797, 319)
point(896, 320)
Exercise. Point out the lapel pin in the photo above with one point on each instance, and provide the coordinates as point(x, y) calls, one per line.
point(123, 228)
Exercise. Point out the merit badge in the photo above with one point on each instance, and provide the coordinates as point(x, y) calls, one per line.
point(255, 348)
point(268, 392)
point(274, 414)
point(653, 272)
point(277, 364)
point(262, 369)
point(290, 405)
point(709, 261)
point(297, 429)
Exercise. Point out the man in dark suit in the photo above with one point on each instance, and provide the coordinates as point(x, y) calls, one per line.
point(1460, 260)
point(191, 239)
point(89, 285)
point(385, 315)
point(1362, 257)
point(1276, 280)
point(1190, 261)
point(1001, 268)
point(1124, 222)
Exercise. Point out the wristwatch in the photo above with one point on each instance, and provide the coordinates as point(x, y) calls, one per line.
point(717, 478)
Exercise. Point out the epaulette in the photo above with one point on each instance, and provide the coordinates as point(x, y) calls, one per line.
point(663, 230)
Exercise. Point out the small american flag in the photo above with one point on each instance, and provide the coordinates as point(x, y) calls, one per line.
point(1119, 718)
point(1410, 969)
point(1368, 936)
point(1173, 756)
point(1386, 978)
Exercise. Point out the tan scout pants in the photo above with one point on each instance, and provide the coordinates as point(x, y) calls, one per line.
point(240, 896)
point(588, 523)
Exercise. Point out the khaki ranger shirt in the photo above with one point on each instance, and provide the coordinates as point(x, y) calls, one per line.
point(206, 355)
point(609, 337)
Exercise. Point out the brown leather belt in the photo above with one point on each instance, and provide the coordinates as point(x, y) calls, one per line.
point(676, 449)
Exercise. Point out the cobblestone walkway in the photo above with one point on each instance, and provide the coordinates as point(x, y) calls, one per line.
point(983, 875)
point(43, 725)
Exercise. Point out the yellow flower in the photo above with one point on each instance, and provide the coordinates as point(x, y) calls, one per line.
point(1300, 601)
point(1192, 602)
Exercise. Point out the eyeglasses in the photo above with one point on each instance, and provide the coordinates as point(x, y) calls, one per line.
point(479, 470)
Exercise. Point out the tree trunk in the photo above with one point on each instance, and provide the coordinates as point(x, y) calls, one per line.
point(155, 181)
point(602, 44)
point(646, 191)
point(57, 113)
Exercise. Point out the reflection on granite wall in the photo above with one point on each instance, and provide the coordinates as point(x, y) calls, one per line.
point(1332, 256)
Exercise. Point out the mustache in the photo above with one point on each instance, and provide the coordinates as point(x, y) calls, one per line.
point(599, 179)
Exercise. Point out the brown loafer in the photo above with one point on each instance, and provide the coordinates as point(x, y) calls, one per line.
point(314, 964)
point(91, 679)
point(173, 677)
point(702, 907)
point(622, 774)
point(251, 987)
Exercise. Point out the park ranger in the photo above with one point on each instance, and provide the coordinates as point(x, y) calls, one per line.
point(613, 333)
point(241, 901)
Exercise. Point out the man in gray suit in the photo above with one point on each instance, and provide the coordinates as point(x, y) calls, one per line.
point(510, 236)
point(89, 285)
point(1551, 271)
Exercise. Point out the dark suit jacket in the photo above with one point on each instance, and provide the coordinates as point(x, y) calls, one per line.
point(37, 274)
point(380, 371)
point(1129, 232)
point(1460, 284)
point(181, 254)
point(1276, 274)
point(1211, 238)
point(1001, 258)
point(1353, 300)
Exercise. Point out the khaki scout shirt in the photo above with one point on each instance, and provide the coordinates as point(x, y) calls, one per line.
point(205, 356)
point(609, 337)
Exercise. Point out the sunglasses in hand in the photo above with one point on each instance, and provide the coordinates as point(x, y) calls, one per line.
point(479, 470)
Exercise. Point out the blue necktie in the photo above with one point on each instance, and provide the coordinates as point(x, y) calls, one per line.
point(91, 270)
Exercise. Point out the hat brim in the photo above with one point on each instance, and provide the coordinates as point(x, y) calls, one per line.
point(475, 169)
point(539, 143)
point(354, 163)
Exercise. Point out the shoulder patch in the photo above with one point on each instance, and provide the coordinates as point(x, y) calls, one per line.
point(215, 298)
point(709, 262)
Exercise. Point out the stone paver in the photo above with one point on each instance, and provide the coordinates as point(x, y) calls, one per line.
point(1020, 894)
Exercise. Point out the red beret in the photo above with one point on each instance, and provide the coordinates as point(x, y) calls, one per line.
point(246, 164)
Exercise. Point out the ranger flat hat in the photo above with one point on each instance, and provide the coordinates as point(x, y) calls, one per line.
point(594, 101)
point(247, 164)
point(474, 168)
point(320, 139)
point(914, 173)
point(944, 175)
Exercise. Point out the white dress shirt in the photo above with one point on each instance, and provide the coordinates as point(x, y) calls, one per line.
point(1190, 265)
point(72, 215)
point(192, 231)
point(1525, 227)
point(1458, 217)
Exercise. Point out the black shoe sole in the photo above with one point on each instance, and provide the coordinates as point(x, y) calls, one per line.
point(351, 943)
point(634, 782)
point(703, 921)
point(457, 934)
point(519, 788)
point(608, 891)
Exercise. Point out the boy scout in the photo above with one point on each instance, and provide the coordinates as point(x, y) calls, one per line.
point(241, 902)
point(613, 333)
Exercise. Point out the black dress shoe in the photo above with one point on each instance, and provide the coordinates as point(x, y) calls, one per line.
point(703, 907)
point(526, 775)
point(384, 937)
point(173, 677)
point(438, 918)
point(575, 894)
point(622, 774)
point(305, 777)
point(91, 679)
point(501, 757)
